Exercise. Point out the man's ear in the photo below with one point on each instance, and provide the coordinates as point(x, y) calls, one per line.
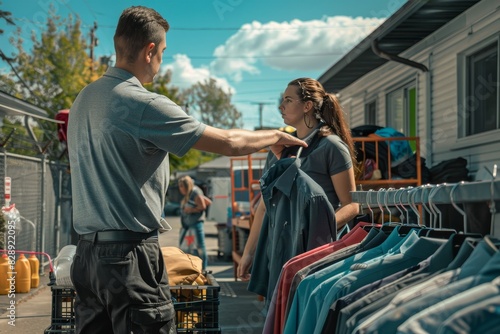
point(148, 51)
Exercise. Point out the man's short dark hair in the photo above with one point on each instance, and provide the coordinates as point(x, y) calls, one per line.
point(137, 27)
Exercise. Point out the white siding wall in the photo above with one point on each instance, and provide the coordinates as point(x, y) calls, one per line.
point(481, 22)
point(440, 53)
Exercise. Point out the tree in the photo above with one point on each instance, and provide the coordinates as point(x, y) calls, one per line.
point(57, 68)
point(53, 72)
point(214, 105)
point(7, 16)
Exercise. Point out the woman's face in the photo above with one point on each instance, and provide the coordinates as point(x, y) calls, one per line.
point(291, 107)
point(182, 189)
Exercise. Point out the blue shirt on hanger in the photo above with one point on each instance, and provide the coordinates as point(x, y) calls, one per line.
point(411, 253)
point(484, 259)
point(310, 283)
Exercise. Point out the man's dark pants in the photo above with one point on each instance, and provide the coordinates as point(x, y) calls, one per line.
point(121, 287)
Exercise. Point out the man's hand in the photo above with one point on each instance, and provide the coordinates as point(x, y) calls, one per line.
point(285, 141)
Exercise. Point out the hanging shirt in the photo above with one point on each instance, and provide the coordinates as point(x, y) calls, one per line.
point(484, 259)
point(431, 319)
point(378, 292)
point(365, 307)
point(372, 240)
point(324, 157)
point(479, 317)
point(410, 255)
point(307, 286)
point(276, 314)
point(299, 218)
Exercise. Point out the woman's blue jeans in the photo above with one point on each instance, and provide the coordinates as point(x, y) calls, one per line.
point(199, 234)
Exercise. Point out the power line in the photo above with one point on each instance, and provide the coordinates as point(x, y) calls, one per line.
point(269, 56)
point(197, 29)
point(275, 29)
point(70, 9)
point(90, 9)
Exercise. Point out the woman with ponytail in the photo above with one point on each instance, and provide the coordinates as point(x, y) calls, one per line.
point(329, 158)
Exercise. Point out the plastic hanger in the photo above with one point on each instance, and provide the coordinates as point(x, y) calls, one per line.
point(423, 199)
point(411, 202)
point(368, 201)
point(459, 238)
point(438, 223)
point(491, 244)
point(406, 192)
point(452, 200)
point(492, 201)
point(406, 228)
point(438, 232)
point(424, 231)
point(386, 195)
point(434, 231)
point(369, 206)
point(387, 227)
point(299, 152)
point(397, 201)
point(379, 204)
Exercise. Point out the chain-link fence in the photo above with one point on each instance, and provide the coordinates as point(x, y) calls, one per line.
point(41, 191)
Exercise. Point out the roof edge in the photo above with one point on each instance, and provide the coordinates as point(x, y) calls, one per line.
point(393, 21)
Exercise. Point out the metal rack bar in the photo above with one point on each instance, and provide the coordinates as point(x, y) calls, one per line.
point(479, 191)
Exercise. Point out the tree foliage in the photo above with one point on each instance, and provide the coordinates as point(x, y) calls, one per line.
point(53, 72)
point(56, 69)
point(7, 17)
point(214, 105)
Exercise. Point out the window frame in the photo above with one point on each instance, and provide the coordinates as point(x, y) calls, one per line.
point(367, 116)
point(405, 87)
point(463, 82)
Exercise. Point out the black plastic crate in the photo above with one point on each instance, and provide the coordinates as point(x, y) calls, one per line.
point(63, 301)
point(60, 329)
point(197, 307)
point(63, 311)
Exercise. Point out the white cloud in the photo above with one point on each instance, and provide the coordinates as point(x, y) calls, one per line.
point(292, 41)
point(184, 75)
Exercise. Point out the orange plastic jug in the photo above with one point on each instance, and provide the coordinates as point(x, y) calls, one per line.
point(35, 266)
point(23, 274)
point(5, 275)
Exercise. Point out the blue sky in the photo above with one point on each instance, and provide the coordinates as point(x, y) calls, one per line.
point(253, 48)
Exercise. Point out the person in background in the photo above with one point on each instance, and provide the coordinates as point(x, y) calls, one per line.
point(120, 136)
point(193, 205)
point(329, 159)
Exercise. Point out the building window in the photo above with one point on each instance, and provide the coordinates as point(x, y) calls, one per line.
point(402, 110)
point(371, 113)
point(481, 91)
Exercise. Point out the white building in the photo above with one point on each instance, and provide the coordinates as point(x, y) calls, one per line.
point(430, 70)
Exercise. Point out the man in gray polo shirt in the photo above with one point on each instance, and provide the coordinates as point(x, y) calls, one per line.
point(119, 137)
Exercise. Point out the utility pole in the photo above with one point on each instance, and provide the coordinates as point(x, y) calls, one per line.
point(261, 109)
point(93, 42)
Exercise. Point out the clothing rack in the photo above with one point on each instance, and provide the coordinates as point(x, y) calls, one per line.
point(425, 197)
point(479, 191)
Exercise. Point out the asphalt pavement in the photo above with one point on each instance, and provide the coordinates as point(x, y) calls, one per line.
point(239, 311)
